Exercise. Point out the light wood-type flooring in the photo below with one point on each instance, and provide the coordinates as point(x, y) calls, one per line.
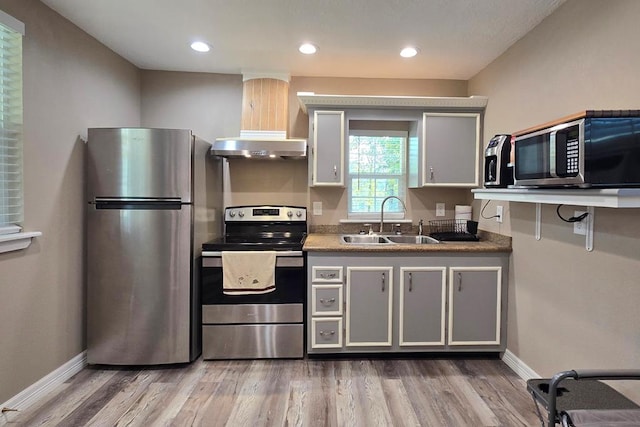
point(345, 392)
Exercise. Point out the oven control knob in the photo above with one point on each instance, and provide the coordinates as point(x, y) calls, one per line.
point(241, 214)
point(232, 214)
point(298, 214)
point(289, 214)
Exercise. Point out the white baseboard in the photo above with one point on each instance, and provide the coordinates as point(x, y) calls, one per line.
point(518, 366)
point(31, 394)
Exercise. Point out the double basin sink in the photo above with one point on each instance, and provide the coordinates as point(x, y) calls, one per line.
point(375, 239)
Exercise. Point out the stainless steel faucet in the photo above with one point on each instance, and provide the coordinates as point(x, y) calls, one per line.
point(382, 209)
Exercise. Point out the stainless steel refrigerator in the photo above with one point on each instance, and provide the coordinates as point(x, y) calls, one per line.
point(154, 196)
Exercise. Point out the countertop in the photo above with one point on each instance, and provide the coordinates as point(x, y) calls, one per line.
point(489, 242)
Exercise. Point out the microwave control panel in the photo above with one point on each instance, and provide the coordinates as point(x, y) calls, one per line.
point(568, 151)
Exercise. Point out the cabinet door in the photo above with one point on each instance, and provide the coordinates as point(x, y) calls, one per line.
point(451, 149)
point(422, 306)
point(474, 305)
point(368, 309)
point(328, 148)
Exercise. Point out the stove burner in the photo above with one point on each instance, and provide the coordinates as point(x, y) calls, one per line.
point(261, 228)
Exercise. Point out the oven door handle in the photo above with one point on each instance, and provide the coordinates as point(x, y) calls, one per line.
point(278, 253)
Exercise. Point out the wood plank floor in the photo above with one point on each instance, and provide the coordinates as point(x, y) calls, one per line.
point(352, 392)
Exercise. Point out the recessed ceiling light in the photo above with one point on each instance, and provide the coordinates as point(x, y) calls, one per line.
point(200, 47)
point(307, 48)
point(409, 52)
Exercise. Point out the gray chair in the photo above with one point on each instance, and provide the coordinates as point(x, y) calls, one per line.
point(580, 398)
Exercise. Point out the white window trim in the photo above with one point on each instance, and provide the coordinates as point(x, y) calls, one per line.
point(17, 241)
point(11, 22)
point(11, 236)
point(395, 217)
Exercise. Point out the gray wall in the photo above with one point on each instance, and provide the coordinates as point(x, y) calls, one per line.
point(71, 82)
point(569, 308)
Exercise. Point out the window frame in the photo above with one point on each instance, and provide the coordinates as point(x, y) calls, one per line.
point(15, 111)
point(403, 184)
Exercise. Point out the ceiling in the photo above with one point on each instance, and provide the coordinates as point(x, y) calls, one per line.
point(355, 38)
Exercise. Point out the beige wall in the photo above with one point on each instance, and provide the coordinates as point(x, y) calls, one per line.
point(569, 308)
point(71, 82)
point(210, 104)
point(421, 203)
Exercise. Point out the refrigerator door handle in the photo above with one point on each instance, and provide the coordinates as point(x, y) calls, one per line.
point(167, 204)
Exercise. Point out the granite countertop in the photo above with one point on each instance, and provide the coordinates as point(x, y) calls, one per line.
point(489, 242)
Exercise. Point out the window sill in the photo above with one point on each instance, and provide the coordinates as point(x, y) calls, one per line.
point(375, 221)
point(17, 241)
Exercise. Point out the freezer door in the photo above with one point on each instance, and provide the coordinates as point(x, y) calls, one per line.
point(139, 285)
point(139, 162)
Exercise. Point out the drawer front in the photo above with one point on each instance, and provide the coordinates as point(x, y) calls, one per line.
point(326, 300)
point(322, 274)
point(326, 332)
point(252, 313)
point(252, 341)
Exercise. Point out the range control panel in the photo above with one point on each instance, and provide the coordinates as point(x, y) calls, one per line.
point(265, 213)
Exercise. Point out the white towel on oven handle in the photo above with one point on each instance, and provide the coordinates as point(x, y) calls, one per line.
point(248, 272)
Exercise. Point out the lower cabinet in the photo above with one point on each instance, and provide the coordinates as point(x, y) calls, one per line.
point(369, 306)
point(398, 303)
point(423, 300)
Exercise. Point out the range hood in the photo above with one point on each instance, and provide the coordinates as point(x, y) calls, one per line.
point(265, 114)
point(263, 146)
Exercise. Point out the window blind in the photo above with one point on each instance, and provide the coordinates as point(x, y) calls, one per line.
point(11, 193)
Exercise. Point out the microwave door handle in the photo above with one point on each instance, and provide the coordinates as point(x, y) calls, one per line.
point(552, 154)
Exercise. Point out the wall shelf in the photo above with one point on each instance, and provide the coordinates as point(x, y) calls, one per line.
point(591, 198)
point(603, 198)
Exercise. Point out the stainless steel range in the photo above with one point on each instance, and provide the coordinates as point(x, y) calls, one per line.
point(256, 325)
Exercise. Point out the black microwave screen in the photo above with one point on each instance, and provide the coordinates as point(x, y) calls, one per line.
point(532, 158)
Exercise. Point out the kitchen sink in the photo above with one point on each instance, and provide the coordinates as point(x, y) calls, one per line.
point(368, 239)
point(364, 239)
point(413, 240)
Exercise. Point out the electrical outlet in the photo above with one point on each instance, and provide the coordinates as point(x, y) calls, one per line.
point(317, 208)
point(580, 227)
point(499, 212)
point(439, 209)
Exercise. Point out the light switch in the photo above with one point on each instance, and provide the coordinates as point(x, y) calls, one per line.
point(317, 208)
point(439, 209)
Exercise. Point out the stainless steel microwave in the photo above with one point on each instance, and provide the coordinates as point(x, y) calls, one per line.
point(588, 152)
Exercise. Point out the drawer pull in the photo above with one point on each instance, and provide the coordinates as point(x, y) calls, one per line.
point(327, 301)
point(328, 275)
point(324, 333)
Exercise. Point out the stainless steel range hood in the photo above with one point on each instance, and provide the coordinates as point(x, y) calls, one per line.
point(265, 115)
point(260, 148)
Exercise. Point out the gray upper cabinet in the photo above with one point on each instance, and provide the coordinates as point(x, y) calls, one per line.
point(451, 147)
point(369, 306)
point(475, 305)
point(327, 148)
point(422, 306)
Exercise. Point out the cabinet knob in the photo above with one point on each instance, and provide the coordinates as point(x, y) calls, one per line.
point(335, 171)
point(431, 174)
point(383, 280)
point(410, 282)
point(459, 282)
